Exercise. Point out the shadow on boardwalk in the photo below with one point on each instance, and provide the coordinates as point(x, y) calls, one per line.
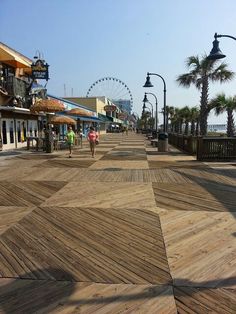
point(212, 186)
point(50, 289)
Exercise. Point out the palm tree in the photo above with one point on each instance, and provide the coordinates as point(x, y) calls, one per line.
point(176, 121)
point(221, 104)
point(185, 113)
point(169, 113)
point(145, 117)
point(194, 118)
point(202, 71)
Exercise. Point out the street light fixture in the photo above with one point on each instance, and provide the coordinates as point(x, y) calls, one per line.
point(149, 84)
point(216, 53)
point(145, 99)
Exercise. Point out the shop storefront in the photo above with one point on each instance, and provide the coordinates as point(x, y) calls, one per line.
point(84, 119)
point(16, 124)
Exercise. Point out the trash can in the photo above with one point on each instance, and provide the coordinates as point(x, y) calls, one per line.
point(163, 142)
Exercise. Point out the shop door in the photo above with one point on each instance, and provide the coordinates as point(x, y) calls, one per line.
point(8, 134)
point(21, 133)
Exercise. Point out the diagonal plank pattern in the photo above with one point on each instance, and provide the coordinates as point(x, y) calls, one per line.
point(199, 301)
point(112, 246)
point(209, 197)
point(199, 254)
point(28, 193)
point(107, 235)
point(10, 215)
point(57, 163)
point(92, 196)
point(72, 297)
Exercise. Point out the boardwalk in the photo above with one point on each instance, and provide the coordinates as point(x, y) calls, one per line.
point(130, 231)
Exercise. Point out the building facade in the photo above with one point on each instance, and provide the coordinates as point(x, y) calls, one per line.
point(99, 105)
point(16, 120)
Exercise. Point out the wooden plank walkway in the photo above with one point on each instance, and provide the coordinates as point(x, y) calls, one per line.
point(130, 231)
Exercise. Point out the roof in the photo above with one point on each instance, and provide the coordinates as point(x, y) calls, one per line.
point(71, 103)
point(13, 57)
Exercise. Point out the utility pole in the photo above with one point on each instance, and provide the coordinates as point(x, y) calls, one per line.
point(64, 90)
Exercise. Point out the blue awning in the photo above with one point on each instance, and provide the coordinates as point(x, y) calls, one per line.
point(89, 119)
point(78, 117)
point(104, 118)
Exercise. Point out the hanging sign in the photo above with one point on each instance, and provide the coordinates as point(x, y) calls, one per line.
point(40, 70)
point(122, 115)
point(110, 108)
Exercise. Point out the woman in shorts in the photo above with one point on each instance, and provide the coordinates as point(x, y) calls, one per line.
point(93, 139)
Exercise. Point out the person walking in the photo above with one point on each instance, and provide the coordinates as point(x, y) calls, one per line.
point(70, 137)
point(92, 137)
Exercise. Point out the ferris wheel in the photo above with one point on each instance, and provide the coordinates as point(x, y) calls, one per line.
point(111, 88)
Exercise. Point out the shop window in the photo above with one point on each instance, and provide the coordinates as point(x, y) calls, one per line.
point(18, 132)
point(25, 133)
point(30, 129)
point(4, 132)
point(11, 132)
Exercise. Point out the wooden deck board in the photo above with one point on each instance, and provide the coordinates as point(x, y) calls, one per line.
point(204, 197)
point(10, 215)
point(71, 297)
point(201, 301)
point(118, 195)
point(201, 248)
point(110, 234)
point(28, 193)
point(74, 163)
point(93, 244)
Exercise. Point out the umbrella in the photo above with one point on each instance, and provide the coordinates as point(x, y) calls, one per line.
point(79, 112)
point(47, 105)
point(62, 120)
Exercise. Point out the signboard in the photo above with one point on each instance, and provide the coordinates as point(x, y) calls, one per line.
point(121, 115)
point(40, 70)
point(110, 108)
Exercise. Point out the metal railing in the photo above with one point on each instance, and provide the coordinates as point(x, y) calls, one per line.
point(15, 86)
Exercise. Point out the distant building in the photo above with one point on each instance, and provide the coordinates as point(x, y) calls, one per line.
point(98, 104)
point(216, 127)
point(124, 105)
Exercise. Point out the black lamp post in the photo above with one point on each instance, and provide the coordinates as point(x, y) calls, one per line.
point(216, 53)
point(149, 84)
point(146, 100)
point(145, 107)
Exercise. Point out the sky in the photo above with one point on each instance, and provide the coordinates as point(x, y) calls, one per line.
point(85, 40)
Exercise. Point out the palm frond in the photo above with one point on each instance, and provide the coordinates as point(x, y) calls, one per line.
point(186, 79)
point(193, 61)
point(222, 74)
